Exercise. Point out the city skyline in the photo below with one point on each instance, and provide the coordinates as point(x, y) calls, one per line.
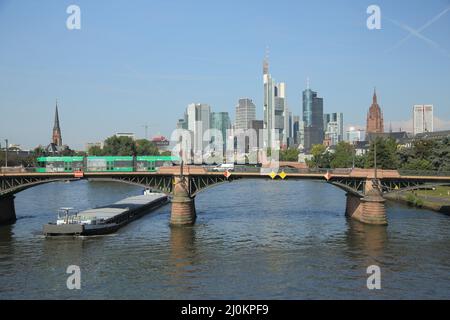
point(115, 80)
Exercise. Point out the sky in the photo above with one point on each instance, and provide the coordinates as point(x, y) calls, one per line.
point(142, 62)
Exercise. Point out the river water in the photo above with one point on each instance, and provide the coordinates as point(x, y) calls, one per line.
point(253, 240)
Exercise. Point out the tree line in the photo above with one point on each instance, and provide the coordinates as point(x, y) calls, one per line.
point(422, 155)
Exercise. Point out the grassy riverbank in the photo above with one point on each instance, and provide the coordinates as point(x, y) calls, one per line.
point(437, 199)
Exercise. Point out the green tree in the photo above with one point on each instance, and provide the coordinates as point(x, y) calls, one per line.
point(290, 154)
point(418, 164)
point(343, 156)
point(95, 151)
point(387, 157)
point(39, 151)
point(146, 148)
point(119, 146)
point(321, 157)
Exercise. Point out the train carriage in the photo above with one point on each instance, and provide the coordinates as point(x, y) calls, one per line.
point(104, 163)
point(152, 163)
point(109, 163)
point(59, 164)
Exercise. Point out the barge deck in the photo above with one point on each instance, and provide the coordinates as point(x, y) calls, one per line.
point(107, 219)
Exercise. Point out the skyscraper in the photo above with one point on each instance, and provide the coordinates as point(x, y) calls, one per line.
point(56, 136)
point(199, 116)
point(422, 118)
point(375, 123)
point(221, 122)
point(312, 118)
point(269, 105)
point(333, 124)
point(276, 121)
point(281, 115)
point(245, 113)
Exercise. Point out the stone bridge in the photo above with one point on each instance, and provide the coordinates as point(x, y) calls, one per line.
point(364, 188)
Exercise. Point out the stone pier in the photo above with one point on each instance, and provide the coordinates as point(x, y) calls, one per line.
point(369, 209)
point(183, 205)
point(7, 210)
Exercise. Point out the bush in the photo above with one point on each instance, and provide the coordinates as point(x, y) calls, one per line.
point(413, 200)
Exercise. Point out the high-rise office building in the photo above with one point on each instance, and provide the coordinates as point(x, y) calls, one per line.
point(337, 126)
point(422, 118)
point(269, 104)
point(258, 126)
point(275, 110)
point(295, 128)
point(245, 112)
point(183, 123)
point(281, 115)
point(332, 133)
point(221, 122)
point(312, 118)
point(199, 116)
point(375, 123)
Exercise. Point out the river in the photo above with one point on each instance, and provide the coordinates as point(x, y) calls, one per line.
point(253, 239)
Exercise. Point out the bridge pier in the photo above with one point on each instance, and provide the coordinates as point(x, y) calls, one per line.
point(183, 205)
point(353, 207)
point(369, 209)
point(7, 210)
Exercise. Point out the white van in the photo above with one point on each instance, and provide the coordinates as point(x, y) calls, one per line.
point(224, 167)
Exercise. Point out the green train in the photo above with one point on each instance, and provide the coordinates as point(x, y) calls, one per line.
point(105, 164)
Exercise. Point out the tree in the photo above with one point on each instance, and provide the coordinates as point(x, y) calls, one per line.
point(343, 156)
point(418, 164)
point(387, 157)
point(95, 151)
point(119, 146)
point(39, 151)
point(290, 154)
point(146, 148)
point(321, 158)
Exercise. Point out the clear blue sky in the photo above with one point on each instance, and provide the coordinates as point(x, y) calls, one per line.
point(137, 62)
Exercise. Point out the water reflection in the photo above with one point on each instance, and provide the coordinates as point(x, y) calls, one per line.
point(183, 251)
point(367, 239)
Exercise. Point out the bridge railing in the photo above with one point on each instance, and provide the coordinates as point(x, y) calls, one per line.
point(424, 173)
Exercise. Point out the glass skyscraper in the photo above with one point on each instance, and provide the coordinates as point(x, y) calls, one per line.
point(312, 118)
point(221, 122)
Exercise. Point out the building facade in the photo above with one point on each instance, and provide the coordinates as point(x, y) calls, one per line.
point(422, 118)
point(353, 135)
point(245, 113)
point(312, 118)
point(221, 122)
point(275, 109)
point(198, 116)
point(333, 124)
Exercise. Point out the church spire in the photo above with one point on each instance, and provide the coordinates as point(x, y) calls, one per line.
point(56, 124)
point(375, 95)
point(56, 136)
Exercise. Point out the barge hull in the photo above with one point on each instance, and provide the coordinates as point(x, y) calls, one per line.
point(110, 225)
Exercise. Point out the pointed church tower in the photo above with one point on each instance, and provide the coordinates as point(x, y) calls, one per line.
point(56, 137)
point(375, 122)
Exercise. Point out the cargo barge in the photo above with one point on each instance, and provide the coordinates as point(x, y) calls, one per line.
point(104, 220)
